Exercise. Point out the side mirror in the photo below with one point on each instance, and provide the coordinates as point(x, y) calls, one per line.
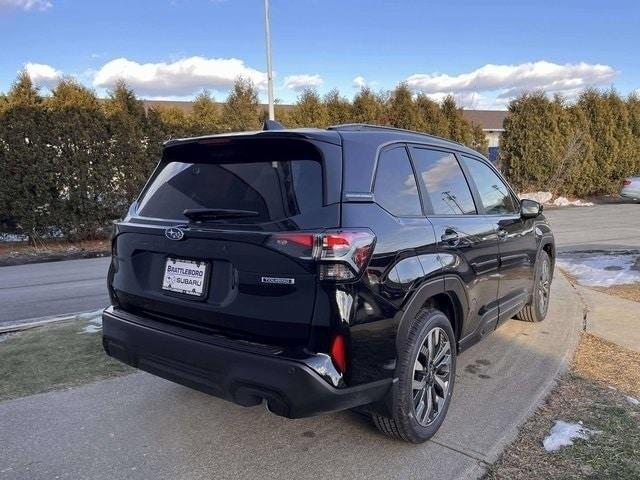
point(530, 208)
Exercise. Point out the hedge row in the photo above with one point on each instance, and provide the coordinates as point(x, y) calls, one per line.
point(71, 163)
point(579, 149)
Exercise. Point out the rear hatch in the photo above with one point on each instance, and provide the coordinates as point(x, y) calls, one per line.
point(211, 242)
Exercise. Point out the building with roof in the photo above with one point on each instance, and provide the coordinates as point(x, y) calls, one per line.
point(492, 124)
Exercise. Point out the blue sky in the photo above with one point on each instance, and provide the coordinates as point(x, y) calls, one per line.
point(483, 52)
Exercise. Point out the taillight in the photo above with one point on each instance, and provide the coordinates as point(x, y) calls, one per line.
point(338, 353)
point(345, 253)
point(301, 245)
point(626, 182)
point(342, 254)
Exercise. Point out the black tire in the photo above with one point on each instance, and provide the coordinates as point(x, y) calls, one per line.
point(536, 310)
point(404, 424)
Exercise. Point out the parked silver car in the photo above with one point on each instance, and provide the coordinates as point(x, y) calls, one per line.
point(631, 187)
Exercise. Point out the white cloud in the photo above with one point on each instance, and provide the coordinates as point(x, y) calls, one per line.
point(26, 4)
point(510, 80)
point(300, 82)
point(43, 75)
point(359, 82)
point(183, 77)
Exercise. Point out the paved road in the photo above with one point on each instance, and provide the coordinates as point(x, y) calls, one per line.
point(44, 289)
point(607, 226)
point(53, 288)
point(141, 427)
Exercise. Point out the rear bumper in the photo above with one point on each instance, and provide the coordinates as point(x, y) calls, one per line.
point(290, 387)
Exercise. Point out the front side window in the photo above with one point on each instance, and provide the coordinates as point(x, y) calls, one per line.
point(444, 182)
point(494, 194)
point(395, 189)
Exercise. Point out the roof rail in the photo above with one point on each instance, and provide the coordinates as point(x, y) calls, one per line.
point(368, 126)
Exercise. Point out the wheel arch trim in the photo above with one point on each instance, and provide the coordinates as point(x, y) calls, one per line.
point(449, 285)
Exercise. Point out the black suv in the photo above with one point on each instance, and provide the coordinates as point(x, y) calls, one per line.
point(319, 270)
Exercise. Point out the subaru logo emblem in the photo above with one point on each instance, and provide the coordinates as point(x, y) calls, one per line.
point(174, 233)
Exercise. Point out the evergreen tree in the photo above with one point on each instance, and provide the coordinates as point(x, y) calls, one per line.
point(128, 152)
point(431, 116)
point(28, 195)
point(241, 111)
point(368, 107)
point(175, 122)
point(402, 110)
point(85, 180)
point(69, 92)
point(337, 107)
point(479, 140)
point(309, 111)
point(458, 129)
point(23, 91)
point(611, 138)
point(205, 115)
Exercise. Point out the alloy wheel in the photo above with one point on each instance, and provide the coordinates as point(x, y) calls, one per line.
point(544, 284)
point(431, 376)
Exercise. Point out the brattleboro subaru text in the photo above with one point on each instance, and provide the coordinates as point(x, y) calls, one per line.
point(316, 270)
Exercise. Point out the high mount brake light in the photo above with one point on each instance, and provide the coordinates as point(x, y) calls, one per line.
point(342, 254)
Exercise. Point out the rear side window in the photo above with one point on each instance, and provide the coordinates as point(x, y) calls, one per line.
point(263, 180)
point(395, 189)
point(444, 182)
point(494, 194)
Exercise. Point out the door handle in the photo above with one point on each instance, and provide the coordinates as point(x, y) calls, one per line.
point(450, 237)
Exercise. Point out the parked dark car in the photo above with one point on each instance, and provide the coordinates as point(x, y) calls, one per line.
point(319, 270)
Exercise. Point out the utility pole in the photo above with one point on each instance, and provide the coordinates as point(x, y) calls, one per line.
point(267, 30)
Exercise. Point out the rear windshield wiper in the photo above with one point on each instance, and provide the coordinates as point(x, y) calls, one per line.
point(203, 214)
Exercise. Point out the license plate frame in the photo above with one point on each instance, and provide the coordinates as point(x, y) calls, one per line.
point(169, 280)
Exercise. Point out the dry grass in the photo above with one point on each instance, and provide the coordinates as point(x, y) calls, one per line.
point(20, 253)
point(584, 394)
point(608, 363)
point(629, 291)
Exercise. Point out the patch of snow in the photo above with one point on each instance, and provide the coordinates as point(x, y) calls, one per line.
point(602, 269)
point(632, 401)
point(91, 328)
point(94, 316)
point(6, 336)
point(565, 202)
point(94, 322)
point(13, 237)
point(563, 433)
point(540, 197)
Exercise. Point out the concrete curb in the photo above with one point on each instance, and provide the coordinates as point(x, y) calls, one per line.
point(40, 321)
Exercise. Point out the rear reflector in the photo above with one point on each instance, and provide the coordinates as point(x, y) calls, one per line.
point(338, 353)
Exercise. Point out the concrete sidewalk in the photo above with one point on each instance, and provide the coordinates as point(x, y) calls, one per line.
point(140, 427)
point(612, 318)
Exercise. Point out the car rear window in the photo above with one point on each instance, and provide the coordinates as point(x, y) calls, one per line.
point(277, 180)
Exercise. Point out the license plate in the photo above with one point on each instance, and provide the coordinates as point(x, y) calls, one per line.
point(185, 276)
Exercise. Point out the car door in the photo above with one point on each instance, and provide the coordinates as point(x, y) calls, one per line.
point(517, 245)
point(467, 242)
